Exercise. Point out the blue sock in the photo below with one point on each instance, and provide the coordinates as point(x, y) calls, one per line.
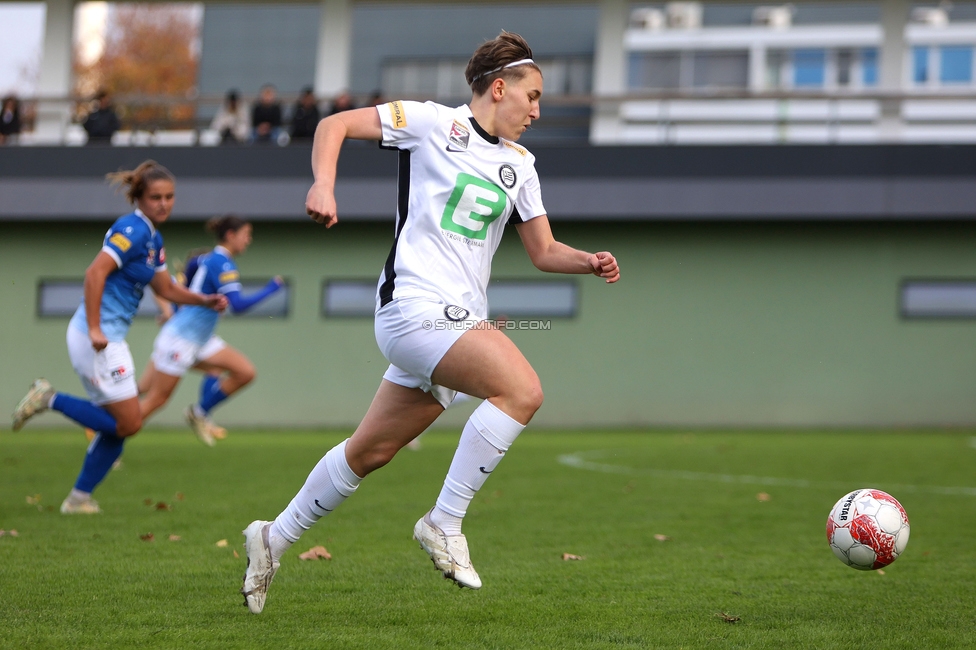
point(84, 413)
point(209, 383)
point(102, 453)
point(210, 393)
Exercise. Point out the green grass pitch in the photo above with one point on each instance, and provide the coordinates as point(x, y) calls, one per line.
point(93, 582)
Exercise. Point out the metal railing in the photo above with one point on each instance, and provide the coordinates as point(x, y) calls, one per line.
point(181, 120)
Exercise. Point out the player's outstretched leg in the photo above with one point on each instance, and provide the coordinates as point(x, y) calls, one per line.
point(329, 484)
point(261, 567)
point(486, 437)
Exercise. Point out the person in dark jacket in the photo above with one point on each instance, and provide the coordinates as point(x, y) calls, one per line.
point(305, 117)
point(266, 115)
point(102, 123)
point(9, 118)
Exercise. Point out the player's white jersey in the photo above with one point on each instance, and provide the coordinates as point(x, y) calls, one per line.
point(458, 188)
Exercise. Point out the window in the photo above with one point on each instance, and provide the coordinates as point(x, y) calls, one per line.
point(808, 68)
point(721, 70)
point(938, 299)
point(655, 70)
point(920, 65)
point(349, 298)
point(506, 298)
point(869, 66)
point(516, 298)
point(956, 64)
point(443, 79)
point(774, 68)
point(845, 60)
point(60, 299)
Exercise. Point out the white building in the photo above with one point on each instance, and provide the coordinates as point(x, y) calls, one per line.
point(777, 81)
point(827, 72)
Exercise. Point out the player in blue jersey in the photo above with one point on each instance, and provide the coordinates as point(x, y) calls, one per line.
point(131, 257)
point(187, 340)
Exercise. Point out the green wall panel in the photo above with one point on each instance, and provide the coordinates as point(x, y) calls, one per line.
point(767, 324)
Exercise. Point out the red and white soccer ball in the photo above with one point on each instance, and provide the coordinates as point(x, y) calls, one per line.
point(867, 529)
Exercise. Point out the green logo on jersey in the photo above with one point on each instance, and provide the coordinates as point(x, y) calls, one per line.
point(473, 205)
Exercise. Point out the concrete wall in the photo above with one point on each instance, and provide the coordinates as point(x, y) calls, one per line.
point(742, 324)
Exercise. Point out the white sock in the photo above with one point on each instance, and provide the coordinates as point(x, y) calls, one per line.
point(329, 484)
point(487, 435)
point(76, 496)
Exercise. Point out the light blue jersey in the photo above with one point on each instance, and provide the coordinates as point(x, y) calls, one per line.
point(216, 273)
point(137, 248)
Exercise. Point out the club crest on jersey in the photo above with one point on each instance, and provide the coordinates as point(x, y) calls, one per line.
point(458, 138)
point(455, 313)
point(507, 176)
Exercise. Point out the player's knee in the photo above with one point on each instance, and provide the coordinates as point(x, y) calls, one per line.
point(246, 375)
point(128, 426)
point(531, 396)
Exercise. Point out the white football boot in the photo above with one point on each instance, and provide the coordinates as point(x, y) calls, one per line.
point(260, 567)
point(34, 402)
point(449, 553)
point(86, 507)
point(199, 425)
point(217, 431)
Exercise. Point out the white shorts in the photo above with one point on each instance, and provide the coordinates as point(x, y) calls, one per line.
point(414, 335)
point(173, 355)
point(213, 345)
point(108, 376)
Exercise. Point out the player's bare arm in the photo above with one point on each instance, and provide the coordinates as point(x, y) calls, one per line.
point(95, 276)
point(165, 288)
point(358, 124)
point(552, 256)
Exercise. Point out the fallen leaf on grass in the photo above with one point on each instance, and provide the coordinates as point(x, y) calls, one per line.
point(762, 496)
point(570, 556)
point(222, 543)
point(148, 537)
point(881, 572)
point(33, 500)
point(162, 505)
point(236, 555)
point(179, 496)
point(662, 538)
point(315, 553)
point(728, 618)
point(175, 538)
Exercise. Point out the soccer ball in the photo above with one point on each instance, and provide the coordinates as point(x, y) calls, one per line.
point(867, 529)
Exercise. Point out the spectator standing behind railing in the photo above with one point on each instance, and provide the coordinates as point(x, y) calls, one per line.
point(305, 116)
point(266, 115)
point(102, 123)
point(232, 120)
point(342, 103)
point(9, 119)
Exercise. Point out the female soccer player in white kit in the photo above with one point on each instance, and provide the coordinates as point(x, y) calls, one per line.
point(461, 180)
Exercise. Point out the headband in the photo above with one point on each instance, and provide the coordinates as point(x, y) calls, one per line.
point(499, 69)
